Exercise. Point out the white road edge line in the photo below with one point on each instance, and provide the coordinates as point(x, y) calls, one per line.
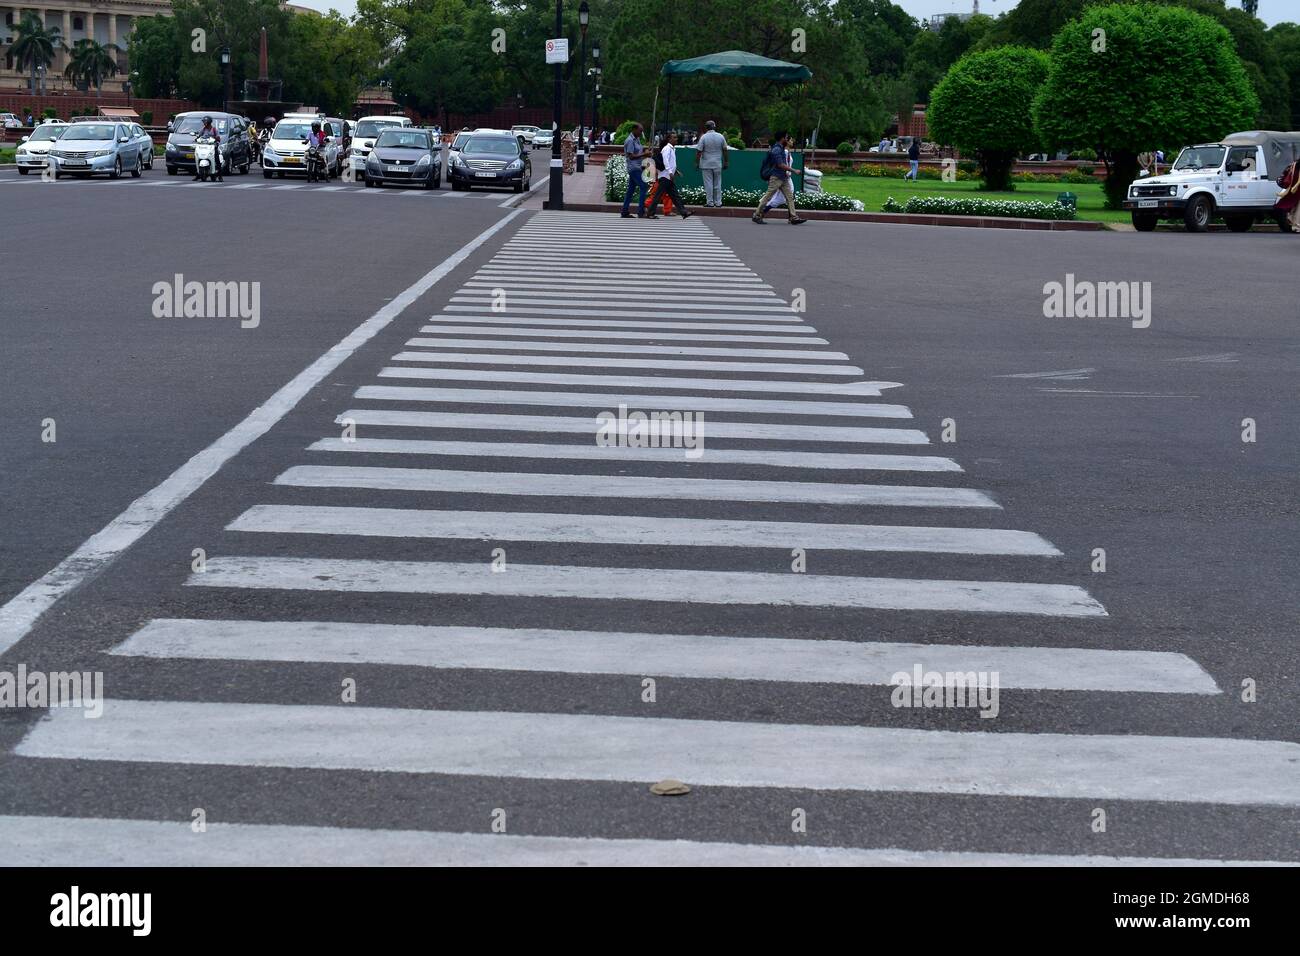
point(20, 613)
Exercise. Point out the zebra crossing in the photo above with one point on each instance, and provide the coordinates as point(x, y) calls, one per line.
point(578, 532)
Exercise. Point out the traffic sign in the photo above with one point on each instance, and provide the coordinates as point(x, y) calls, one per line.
point(557, 51)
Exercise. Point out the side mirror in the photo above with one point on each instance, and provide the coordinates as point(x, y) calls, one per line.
point(24, 139)
point(124, 139)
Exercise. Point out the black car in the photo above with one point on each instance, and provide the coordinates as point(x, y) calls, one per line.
point(406, 156)
point(236, 150)
point(491, 159)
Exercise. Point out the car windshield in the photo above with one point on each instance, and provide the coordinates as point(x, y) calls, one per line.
point(90, 131)
point(192, 124)
point(1200, 157)
point(292, 131)
point(490, 146)
point(460, 140)
point(371, 128)
point(403, 139)
point(47, 132)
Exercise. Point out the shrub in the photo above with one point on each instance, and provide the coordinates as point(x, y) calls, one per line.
point(735, 142)
point(49, 113)
point(845, 148)
point(976, 206)
point(146, 118)
point(1089, 154)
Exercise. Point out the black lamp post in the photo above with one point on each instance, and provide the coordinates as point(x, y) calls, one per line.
point(584, 17)
point(225, 69)
point(595, 87)
point(557, 164)
point(519, 108)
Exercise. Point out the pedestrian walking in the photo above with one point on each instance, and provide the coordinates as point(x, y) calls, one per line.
point(914, 158)
point(666, 164)
point(711, 159)
point(1288, 200)
point(634, 152)
point(778, 199)
point(777, 172)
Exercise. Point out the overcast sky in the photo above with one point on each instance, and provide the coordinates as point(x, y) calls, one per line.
point(1271, 11)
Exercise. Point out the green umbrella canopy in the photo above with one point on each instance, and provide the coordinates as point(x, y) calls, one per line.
point(738, 63)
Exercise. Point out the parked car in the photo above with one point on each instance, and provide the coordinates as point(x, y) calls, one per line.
point(10, 121)
point(527, 132)
point(286, 150)
point(364, 133)
point(1235, 178)
point(340, 132)
point(236, 152)
point(96, 147)
point(491, 159)
point(33, 151)
point(543, 139)
point(406, 156)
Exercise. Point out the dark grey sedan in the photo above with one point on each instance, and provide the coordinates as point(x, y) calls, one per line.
point(405, 156)
point(491, 159)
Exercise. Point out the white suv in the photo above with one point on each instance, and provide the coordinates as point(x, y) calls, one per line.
point(1235, 179)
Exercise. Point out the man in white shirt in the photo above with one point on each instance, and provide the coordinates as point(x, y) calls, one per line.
point(711, 159)
point(666, 164)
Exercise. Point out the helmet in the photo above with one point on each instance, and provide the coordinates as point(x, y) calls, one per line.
point(315, 127)
point(207, 121)
point(269, 121)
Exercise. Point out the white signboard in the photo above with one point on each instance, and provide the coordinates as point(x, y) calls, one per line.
point(557, 51)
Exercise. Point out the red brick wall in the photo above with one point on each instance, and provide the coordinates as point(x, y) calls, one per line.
point(79, 105)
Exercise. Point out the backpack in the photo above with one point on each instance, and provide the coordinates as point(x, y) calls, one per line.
point(766, 170)
point(659, 159)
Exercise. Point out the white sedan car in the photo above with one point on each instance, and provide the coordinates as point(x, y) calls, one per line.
point(34, 151)
point(286, 150)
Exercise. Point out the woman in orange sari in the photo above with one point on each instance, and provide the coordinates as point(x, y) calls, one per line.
point(1288, 200)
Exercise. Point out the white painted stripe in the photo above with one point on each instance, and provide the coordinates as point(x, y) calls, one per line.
point(618, 348)
point(767, 304)
point(666, 655)
point(574, 425)
point(854, 389)
point(749, 314)
point(21, 612)
point(580, 361)
point(619, 334)
point(648, 584)
point(547, 251)
point(630, 486)
point(106, 841)
point(571, 324)
point(776, 323)
point(730, 278)
point(716, 456)
point(619, 291)
point(633, 530)
point(1211, 770)
point(605, 400)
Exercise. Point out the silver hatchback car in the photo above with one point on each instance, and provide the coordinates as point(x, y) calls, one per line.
point(96, 146)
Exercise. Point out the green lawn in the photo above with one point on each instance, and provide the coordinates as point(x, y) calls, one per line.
point(874, 191)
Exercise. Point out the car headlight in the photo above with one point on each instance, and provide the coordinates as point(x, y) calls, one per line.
point(373, 161)
point(1132, 190)
point(423, 160)
point(515, 166)
point(1173, 190)
point(21, 151)
point(457, 159)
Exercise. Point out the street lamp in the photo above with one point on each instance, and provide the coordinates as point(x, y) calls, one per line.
point(584, 17)
point(595, 92)
point(519, 108)
point(557, 117)
point(225, 69)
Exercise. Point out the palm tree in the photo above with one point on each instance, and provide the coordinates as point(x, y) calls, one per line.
point(35, 45)
point(92, 63)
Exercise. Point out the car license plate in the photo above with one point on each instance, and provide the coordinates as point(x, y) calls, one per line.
point(395, 169)
point(293, 161)
point(73, 162)
point(486, 175)
point(1148, 203)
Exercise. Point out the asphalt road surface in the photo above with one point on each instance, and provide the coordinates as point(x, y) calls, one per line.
point(381, 591)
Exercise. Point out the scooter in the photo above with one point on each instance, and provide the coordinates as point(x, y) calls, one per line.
point(205, 159)
point(316, 167)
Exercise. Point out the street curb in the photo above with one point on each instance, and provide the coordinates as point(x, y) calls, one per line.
point(911, 219)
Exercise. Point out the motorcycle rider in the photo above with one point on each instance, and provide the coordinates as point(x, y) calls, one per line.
point(211, 131)
point(318, 139)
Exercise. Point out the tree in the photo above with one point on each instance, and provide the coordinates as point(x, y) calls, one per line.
point(35, 45)
point(92, 63)
point(1155, 76)
point(983, 106)
point(933, 52)
point(154, 51)
point(1033, 23)
point(1285, 40)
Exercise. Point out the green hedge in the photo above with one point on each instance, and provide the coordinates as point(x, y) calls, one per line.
point(616, 188)
point(976, 206)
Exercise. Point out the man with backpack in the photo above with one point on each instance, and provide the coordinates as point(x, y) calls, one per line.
point(777, 172)
point(666, 166)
